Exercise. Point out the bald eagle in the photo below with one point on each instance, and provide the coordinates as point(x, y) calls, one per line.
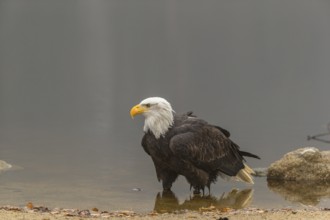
point(183, 144)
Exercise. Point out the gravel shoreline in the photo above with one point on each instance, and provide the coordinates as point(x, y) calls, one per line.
point(42, 213)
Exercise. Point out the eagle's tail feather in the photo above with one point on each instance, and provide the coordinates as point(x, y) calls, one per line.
point(245, 174)
point(247, 154)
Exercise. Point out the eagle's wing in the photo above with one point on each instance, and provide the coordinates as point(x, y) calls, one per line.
point(207, 148)
point(144, 143)
point(224, 131)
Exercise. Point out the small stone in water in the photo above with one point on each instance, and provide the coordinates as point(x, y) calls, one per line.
point(137, 189)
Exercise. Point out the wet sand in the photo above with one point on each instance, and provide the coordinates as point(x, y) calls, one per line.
point(207, 213)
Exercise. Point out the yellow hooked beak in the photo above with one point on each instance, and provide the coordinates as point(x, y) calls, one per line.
point(137, 109)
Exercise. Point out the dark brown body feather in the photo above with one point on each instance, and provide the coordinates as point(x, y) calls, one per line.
point(195, 149)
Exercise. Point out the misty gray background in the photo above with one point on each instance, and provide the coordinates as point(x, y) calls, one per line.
point(71, 70)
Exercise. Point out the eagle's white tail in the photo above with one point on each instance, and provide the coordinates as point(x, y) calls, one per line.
point(245, 174)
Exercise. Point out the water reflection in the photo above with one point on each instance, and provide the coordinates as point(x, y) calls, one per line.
point(236, 199)
point(307, 193)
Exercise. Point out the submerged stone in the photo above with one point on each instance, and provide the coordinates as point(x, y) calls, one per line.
point(260, 172)
point(304, 164)
point(4, 165)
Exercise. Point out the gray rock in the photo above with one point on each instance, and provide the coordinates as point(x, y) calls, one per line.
point(260, 172)
point(304, 164)
point(4, 165)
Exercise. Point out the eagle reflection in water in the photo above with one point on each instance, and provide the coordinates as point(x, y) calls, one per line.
point(236, 199)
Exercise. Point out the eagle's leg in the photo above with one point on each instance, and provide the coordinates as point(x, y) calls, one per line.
point(197, 178)
point(209, 187)
point(197, 190)
point(167, 185)
point(168, 179)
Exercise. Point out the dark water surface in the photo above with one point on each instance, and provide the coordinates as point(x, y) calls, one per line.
point(71, 70)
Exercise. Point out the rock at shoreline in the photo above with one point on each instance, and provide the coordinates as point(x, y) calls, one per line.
point(260, 172)
point(4, 165)
point(304, 164)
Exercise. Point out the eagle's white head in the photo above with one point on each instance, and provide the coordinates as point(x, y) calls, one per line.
point(158, 115)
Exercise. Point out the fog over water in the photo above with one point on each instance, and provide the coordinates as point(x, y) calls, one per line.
point(71, 70)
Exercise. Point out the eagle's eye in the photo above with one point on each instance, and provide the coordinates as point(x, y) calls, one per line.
point(148, 105)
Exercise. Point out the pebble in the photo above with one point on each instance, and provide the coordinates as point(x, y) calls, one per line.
point(137, 189)
point(84, 213)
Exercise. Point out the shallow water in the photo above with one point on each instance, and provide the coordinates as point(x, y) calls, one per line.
point(71, 70)
point(88, 194)
point(81, 175)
